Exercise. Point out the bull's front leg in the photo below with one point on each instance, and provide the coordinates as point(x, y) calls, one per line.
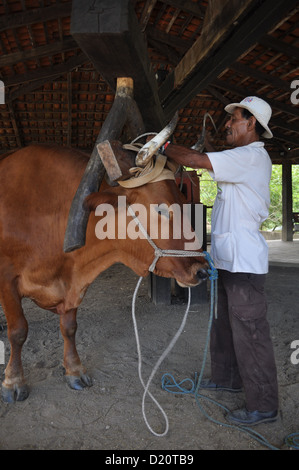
point(75, 372)
point(14, 386)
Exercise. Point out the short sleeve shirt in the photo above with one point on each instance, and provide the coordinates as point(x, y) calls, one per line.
point(241, 205)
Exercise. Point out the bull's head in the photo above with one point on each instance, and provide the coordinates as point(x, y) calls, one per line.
point(158, 204)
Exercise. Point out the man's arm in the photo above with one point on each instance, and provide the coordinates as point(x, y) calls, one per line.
point(188, 157)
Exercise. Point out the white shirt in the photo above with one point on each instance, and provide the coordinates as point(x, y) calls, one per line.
point(241, 205)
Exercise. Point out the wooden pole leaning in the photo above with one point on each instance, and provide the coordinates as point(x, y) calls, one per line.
point(119, 115)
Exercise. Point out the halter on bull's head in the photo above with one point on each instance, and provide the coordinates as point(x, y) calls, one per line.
point(150, 184)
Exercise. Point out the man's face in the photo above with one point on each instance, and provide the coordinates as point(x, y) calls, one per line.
point(236, 129)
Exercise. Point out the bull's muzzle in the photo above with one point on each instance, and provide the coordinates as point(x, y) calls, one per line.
point(202, 275)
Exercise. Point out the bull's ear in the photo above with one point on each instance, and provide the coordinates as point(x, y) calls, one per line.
point(105, 197)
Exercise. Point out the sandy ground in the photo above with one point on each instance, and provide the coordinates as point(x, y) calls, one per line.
point(108, 415)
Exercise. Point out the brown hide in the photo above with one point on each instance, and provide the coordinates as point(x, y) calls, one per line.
point(37, 186)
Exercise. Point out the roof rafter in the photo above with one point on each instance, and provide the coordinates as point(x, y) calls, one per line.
point(36, 15)
point(183, 84)
point(36, 52)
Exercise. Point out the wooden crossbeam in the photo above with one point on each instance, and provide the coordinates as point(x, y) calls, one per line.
point(261, 76)
point(36, 15)
point(34, 80)
point(280, 46)
point(241, 28)
point(188, 7)
point(242, 92)
point(36, 52)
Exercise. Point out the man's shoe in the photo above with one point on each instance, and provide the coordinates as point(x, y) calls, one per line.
point(251, 418)
point(206, 384)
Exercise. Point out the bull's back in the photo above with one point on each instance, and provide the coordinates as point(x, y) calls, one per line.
point(37, 185)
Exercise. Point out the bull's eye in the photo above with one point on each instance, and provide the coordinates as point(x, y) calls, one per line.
point(162, 210)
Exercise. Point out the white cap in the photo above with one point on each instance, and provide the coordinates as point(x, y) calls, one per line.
point(259, 108)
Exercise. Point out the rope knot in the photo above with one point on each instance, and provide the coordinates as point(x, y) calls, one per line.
point(213, 274)
point(158, 251)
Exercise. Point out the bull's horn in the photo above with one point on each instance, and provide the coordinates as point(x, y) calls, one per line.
point(199, 146)
point(148, 150)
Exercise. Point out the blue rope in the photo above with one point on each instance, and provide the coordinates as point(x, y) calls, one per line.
point(292, 440)
point(170, 385)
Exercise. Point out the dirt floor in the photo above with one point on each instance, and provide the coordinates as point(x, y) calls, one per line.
point(108, 415)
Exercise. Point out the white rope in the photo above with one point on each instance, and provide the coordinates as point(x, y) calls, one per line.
point(158, 253)
point(157, 365)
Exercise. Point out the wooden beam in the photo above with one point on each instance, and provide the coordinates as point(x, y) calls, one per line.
point(287, 200)
point(223, 15)
point(36, 15)
point(95, 171)
point(171, 56)
point(242, 24)
point(261, 76)
point(47, 72)
point(188, 6)
point(285, 124)
point(289, 139)
point(281, 46)
point(242, 92)
point(39, 77)
point(279, 157)
point(182, 45)
point(109, 34)
point(36, 52)
point(147, 11)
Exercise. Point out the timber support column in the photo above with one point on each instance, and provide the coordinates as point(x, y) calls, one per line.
point(287, 202)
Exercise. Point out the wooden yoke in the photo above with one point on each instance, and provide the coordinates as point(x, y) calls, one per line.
point(124, 111)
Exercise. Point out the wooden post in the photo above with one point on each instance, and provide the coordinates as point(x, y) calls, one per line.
point(287, 202)
point(108, 32)
point(75, 234)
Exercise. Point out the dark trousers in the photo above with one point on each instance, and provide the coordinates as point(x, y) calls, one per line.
point(241, 347)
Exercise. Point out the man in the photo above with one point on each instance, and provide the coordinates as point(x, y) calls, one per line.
point(241, 346)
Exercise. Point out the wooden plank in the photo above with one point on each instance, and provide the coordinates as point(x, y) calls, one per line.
point(214, 31)
point(110, 36)
point(203, 68)
point(147, 11)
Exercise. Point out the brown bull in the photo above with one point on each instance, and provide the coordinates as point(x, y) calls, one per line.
point(37, 185)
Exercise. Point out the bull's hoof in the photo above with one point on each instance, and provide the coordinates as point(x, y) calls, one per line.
point(78, 382)
point(16, 393)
